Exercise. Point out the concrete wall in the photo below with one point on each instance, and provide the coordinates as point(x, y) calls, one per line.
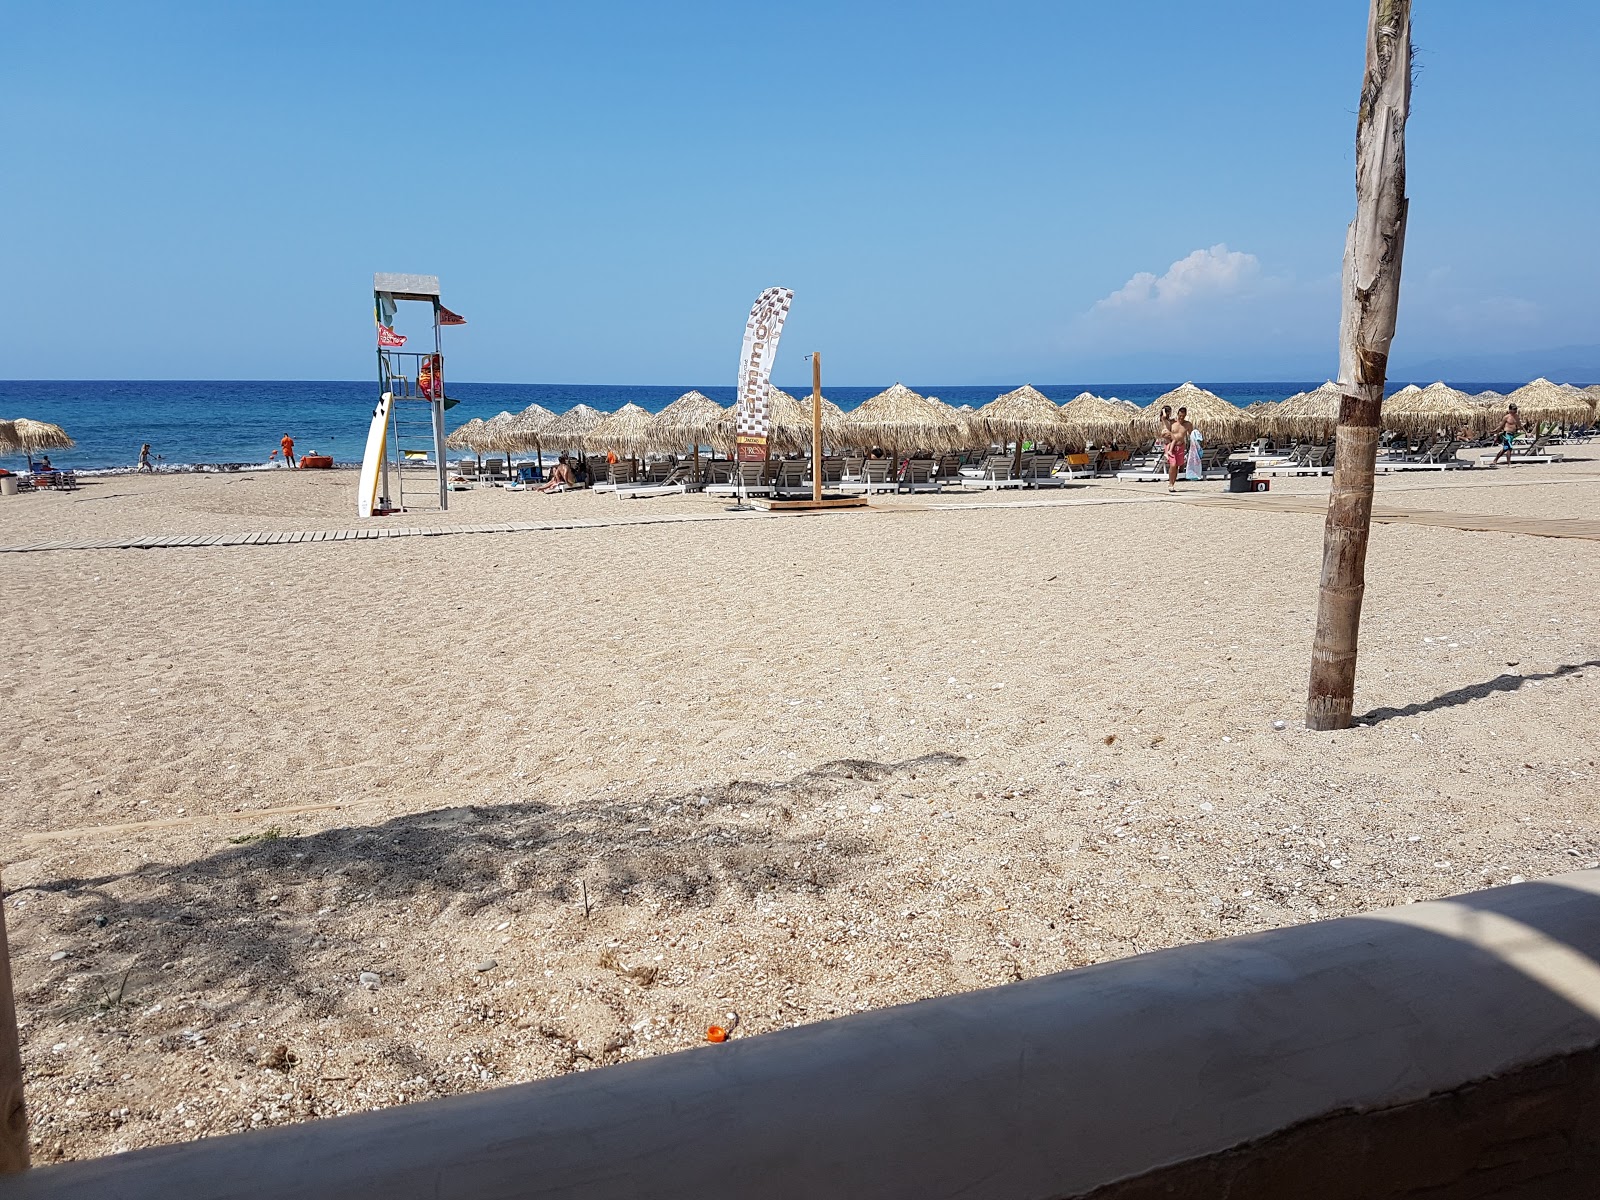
point(1442, 1050)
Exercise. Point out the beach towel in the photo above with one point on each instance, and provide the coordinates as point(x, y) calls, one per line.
point(1191, 466)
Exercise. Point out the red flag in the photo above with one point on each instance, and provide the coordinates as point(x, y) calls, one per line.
point(388, 337)
point(446, 317)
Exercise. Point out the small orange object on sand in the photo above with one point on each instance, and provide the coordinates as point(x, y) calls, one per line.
point(716, 1034)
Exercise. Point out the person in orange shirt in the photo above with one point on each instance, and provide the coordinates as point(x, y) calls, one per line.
point(287, 443)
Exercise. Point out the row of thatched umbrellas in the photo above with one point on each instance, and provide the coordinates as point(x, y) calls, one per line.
point(27, 435)
point(1423, 411)
point(900, 419)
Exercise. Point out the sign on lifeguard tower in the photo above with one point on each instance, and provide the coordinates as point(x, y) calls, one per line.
point(404, 467)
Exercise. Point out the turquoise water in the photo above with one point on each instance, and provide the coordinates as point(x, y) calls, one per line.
point(205, 422)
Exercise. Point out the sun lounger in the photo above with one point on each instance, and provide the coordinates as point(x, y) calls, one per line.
point(1041, 472)
point(1437, 456)
point(1535, 452)
point(921, 475)
point(1081, 466)
point(53, 478)
point(750, 479)
point(993, 474)
point(792, 477)
point(618, 474)
point(674, 483)
point(877, 475)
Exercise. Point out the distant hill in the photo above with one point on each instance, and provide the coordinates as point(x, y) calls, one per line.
point(1564, 364)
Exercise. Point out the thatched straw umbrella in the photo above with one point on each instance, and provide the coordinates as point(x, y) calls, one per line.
point(691, 420)
point(463, 437)
point(1446, 399)
point(1025, 413)
point(528, 427)
point(1539, 401)
point(900, 417)
point(625, 433)
point(963, 422)
point(570, 429)
point(41, 435)
point(1219, 422)
point(1261, 412)
point(498, 435)
point(790, 419)
point(1093, 418)
point(1312, 415)
point(1546, 402)
point(1488, 404)
point(1419, 414)
point(10, 443)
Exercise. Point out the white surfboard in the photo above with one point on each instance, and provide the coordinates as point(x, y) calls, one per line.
point(372, 460)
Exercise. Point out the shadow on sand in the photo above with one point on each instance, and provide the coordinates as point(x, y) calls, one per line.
point(1476, 691)
point(280, 917)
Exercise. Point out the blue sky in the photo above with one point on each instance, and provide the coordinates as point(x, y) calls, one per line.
point(957, 193)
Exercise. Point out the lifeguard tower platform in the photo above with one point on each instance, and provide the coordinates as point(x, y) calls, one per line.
point(414, 473)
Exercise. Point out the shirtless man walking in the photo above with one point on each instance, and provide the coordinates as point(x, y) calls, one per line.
point(1177, 447)
point(1508, 435)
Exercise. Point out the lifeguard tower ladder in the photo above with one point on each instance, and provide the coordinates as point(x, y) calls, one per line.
point(415, 474)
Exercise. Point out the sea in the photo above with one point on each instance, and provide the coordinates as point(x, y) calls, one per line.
point(203, 424)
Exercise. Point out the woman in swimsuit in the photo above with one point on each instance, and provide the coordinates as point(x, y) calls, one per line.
point(561, 477)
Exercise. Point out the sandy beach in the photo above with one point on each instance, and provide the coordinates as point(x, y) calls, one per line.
point(292, 831)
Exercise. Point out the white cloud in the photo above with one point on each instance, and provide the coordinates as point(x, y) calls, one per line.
point(1197, 277)
point(1211, 308)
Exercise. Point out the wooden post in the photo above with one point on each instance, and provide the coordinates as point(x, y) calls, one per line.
point(13, 1112)
point(1372, 254)
point(816, 427)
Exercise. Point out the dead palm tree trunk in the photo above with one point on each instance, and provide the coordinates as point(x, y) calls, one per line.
point(1371, 289)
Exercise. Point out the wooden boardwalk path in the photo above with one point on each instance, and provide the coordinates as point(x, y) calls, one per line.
point(367, 533)
point(1557, 527)
point(167, 541)
point(1554, 527)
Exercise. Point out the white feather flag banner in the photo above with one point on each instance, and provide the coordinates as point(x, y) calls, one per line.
point(752, 420)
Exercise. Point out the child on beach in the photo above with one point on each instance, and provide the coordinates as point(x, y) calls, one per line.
point(144, 460)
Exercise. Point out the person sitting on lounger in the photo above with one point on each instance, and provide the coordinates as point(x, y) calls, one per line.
point(1508, 435)
point(561, 477)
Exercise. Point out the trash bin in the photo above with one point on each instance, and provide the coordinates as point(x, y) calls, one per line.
point(1239, 475)
point(8, 485)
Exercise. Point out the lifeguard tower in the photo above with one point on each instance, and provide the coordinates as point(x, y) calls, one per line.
point(413, 469)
